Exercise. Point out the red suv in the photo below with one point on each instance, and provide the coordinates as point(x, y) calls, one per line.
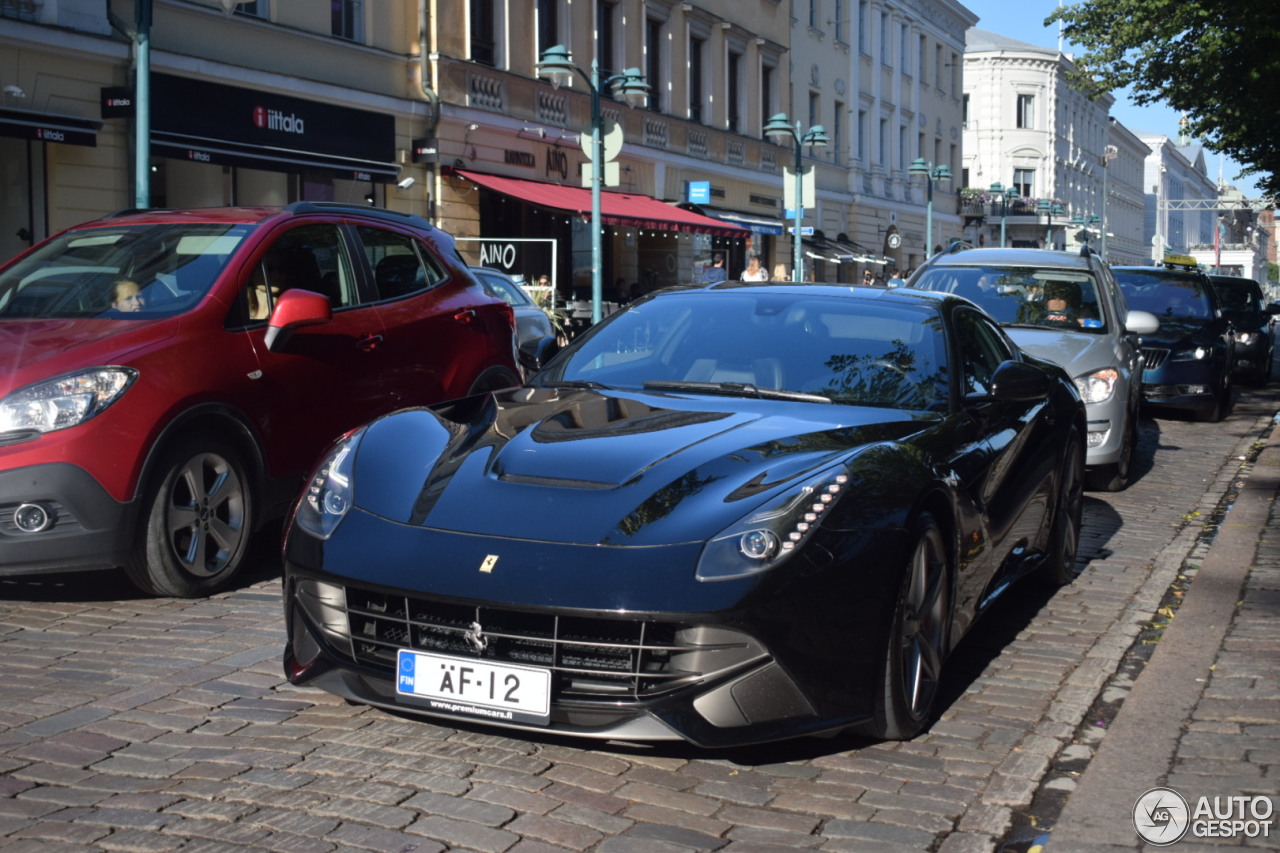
point(170, 375)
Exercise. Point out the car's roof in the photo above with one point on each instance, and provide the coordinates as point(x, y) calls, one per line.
point(1160, 272)
point(893, 295)
point(1235, 280)
point(1010, 257)
point(252, 215)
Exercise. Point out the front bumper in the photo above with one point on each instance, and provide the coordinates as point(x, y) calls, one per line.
point(776, 664)
point(87, 529)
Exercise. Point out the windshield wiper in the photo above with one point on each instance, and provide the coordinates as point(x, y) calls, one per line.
point(577, 383)
point(736, 389)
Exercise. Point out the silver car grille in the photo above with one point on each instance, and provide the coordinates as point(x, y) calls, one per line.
point(590, 657)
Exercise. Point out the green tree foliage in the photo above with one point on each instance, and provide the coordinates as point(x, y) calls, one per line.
point(1216, 60)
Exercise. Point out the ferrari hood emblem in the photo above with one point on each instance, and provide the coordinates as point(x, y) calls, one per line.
point(488, 563)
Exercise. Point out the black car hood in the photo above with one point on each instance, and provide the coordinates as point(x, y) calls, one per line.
point(608, 468)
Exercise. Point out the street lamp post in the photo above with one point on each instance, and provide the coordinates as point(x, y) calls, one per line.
point(780, 126)
point(1005, 196)
point(557, 63)
point(931, 173)
point(1108, 154)
point(1053, 209)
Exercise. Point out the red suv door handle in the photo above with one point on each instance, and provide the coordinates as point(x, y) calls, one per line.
point(369, 343)
point(467, 316)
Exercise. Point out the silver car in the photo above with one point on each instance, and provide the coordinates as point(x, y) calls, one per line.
point(1065, 308)
point(531, 321)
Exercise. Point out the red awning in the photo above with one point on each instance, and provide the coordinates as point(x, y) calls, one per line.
point(637, 211)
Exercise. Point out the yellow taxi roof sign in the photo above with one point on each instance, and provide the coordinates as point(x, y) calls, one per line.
point(1175, 260)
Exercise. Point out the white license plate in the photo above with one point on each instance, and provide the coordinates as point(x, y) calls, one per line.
point(470, 686)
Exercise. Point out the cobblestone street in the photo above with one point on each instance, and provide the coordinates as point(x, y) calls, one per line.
point(138, 724)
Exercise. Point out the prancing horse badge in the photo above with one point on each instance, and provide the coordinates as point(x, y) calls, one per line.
point(489, 562)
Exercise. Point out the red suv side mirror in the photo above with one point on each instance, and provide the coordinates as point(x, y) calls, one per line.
point(294, 309)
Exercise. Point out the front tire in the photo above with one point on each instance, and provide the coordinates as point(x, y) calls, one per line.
point(1064, 541)
point(197, 521)
point(918, 638)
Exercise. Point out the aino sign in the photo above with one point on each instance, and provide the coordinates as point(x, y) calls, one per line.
point(526, 258)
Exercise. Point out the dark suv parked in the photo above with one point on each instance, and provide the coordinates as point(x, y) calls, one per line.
point(1187, 363)
point(171, 375)
point(1241, 300)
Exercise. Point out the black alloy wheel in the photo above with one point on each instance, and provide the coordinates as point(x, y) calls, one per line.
point(918, 638)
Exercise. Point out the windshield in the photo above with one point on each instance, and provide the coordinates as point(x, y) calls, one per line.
point(1238, 294)
point(131, 272)
point(1024, 296)
point(765, 344)
point(1178, 300)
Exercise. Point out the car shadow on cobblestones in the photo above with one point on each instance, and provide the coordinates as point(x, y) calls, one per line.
point(263, 563)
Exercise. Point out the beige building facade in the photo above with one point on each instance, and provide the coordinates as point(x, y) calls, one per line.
point(437, 107)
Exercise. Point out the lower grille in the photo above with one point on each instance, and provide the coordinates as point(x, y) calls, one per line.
point(1153, 357)
point(590, 657)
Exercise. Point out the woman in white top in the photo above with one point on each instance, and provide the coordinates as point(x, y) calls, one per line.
point(754, 272)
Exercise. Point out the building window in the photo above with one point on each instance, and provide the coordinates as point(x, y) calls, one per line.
point(483, 40)
point(923, 56)
point(886, 48)
point(1024, 181)
point(862, 135)
point(815, 110)
point(841, 25)
point(884, 141)
point(937, 67)
point(837, 133)
point(548, 24)
point(813, 14)
point(735, 92)
point(347, 19)
point(697, 51)
point(863, 14)
point(605, 41)
point(766, 92)
point(964, 111)
point(653, 64)
point(904, 60)
point(254, 9)
point(902, 146)
point(1026, 106)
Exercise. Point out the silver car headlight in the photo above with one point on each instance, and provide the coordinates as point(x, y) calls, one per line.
point(1097, 387)
point(64, 401)
point(774, 531)
point(328, 495)
point(1246, 338)
point(1197, 354)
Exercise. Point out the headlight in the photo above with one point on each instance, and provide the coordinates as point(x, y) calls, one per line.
point(771, 534)
point(1097, 387)
point(1197, 354)
point(1245, 338)
point(329, 491)
point(65, 400)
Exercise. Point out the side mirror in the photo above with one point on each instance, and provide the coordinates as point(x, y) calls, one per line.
point(535, 353)
point(1141, 323)
point(295, 308)
point(1015, 381)
point(1273, 309)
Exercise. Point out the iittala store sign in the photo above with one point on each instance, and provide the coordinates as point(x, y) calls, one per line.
point(237, 124)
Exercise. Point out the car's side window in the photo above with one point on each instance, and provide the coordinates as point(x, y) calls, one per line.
point(400, 264)
point(311, 257)
point(982, 349)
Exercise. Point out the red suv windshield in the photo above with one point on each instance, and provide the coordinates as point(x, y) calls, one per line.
point(126, 272)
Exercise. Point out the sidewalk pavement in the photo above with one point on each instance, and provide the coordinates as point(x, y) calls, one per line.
point(1203, 717)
